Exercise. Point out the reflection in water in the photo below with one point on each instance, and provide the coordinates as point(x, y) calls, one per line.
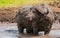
point(7, 35)
point(11, 31)
point(55, 32)
point(8, 31)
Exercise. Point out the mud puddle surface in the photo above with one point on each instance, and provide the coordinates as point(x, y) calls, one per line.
point(10, 31)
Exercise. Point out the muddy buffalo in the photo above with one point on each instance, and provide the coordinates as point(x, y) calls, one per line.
point(34, 19)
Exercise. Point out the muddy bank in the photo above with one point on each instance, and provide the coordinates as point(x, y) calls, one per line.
point(55, 4)
point(7, 14)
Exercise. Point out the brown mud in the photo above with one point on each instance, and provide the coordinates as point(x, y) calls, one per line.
point(7, 14)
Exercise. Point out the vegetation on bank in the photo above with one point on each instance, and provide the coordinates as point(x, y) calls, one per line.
point(4, 3)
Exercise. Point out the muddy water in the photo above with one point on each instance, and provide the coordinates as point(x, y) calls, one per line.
point(10, 31)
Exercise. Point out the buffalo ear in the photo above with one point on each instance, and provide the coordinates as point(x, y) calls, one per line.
point(34, 10)
point(38, 12)
point(43, 8)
